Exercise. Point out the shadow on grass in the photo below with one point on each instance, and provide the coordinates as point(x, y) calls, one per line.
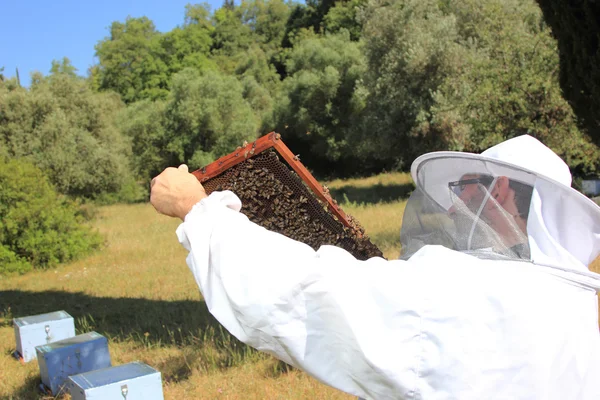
point(276, 368)
point(205, 344)
point(149, 322)
point(31, 390)
point(372, 194)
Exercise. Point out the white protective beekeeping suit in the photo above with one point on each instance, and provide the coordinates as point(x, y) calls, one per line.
point(465, 314)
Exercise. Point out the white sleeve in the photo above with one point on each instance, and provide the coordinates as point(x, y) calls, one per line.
point(349, 323)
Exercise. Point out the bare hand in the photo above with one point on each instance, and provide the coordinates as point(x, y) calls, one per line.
point(175, 191)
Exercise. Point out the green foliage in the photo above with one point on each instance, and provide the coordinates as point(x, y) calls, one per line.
point(198, 14)
point(309, 16)
point(260, 100)
point(344, 15)
point(67, 131)
point(464, 76)
point(38, 227)
point(267, 20)
point(576, 27)
point(206, 117)
point(10, 263)
point(355, 86)
point(255, 63)
point(230, 36)
point(317, 10)
point(132, 61)
point(411, 46)
point(143, 122)
point(512, 88)
point(189, 46)
point(318, 107)
point(63, 67)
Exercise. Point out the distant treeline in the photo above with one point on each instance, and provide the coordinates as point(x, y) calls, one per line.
point(355, 87)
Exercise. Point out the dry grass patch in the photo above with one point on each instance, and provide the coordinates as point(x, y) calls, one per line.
point(382, 224)
point(139, 293)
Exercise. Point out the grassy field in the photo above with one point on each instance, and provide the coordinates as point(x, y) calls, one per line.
point(138, 292)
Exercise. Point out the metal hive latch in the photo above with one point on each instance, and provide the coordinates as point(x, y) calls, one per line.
point(78, 356)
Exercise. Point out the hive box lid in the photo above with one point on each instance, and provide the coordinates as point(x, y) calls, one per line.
point(110, 375)
point(74, 341)
point(36, 319)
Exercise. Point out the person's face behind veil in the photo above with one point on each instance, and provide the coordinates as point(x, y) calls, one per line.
point(472, 211)
point(485, 214)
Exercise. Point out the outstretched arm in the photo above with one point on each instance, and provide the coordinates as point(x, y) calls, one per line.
point(347, 322)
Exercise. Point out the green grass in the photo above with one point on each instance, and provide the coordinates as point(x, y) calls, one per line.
point(383, 188)
point(138, 292)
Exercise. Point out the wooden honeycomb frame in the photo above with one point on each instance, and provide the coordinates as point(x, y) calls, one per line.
point(325, 214)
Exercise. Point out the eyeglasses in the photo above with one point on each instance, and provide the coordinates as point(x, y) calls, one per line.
point(459, 186)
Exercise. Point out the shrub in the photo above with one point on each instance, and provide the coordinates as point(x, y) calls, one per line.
point(38, 227)
point(69, 132)
point(11, 263)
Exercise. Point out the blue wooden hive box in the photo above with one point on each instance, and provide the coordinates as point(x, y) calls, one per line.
point(133, 381)
point(82, 353)
point(41, 329)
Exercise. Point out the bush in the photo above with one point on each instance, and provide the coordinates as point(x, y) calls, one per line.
point(69, 132)
point(38, 227)
point(11, 263)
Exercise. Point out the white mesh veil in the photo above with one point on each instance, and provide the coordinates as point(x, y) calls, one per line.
point(456, 204)
point(545, 221)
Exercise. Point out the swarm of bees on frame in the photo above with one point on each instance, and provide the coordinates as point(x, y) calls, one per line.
point(274, 197)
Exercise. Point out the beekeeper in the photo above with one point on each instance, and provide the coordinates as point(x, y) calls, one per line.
point(492, 298)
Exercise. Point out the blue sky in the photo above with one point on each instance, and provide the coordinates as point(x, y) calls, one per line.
point(35, 32)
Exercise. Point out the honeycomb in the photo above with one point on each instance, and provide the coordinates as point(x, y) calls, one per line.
point(276, 198)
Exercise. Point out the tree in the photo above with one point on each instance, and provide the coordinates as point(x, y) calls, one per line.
point(144, 123)
point(206, 117)
point(306, 16)
point(131, 61)
point(318, 10)
point(255, 63)
point(68, 131)
point(464, 76)
point(411, 46)
point(189, 45)
point(198, 14)
point(344, 15)
point(517, 89)
point(575, 26)
point(228, 4)
point(63, 67)
point(267, 20)
point(318, 108)
point(230, 36)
